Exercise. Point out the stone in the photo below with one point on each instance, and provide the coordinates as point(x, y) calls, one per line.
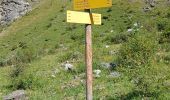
point(34, 0)
point(105, 65)
point(53, 76)
point(108, 65)
point(107, 46)
point(111, 31)
point(16, 95)
point(67, 66)
point(135, 24)
point(12, 9)
point(129, 30)
point(97, 73)
point(112, 52)
point(151, 3)
point(146, 9)
point(115, 74)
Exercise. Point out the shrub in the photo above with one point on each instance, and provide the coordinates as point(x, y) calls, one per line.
point(168, 15)
point(18, 69)
point(29, 81)
point(137, 51)
point(21, 56)
point(2, 62)
point(167, 59)
point(146, 81)
point(70, 56)
point(118, 38)
point(21, 79)
point(161, 25)
point(165, 37)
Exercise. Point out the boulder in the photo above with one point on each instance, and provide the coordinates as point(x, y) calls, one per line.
point(68, 66)
point(12, 9)
point(97, 73)
point(108, 65)
point(151, 3)
point(115, 74)
point(16, 95)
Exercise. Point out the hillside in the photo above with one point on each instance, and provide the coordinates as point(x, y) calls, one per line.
point(131, 49)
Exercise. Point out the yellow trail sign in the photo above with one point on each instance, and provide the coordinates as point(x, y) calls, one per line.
point(89, 4)
point(83, 17)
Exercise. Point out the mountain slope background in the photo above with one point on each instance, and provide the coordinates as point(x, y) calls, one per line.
point(137, 41)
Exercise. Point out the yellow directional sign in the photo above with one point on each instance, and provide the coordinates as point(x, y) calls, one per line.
point(88, 4)
point(83, 17)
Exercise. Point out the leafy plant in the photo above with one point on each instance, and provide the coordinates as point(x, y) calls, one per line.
point(137, 51)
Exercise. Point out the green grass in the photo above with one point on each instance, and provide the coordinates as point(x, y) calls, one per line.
point(42, 40)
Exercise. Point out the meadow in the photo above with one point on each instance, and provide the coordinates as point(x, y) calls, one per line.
point(34, 48)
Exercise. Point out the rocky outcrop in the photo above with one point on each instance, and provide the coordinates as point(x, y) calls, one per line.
point(16, 95)
point(12, 9)
point(151, 3)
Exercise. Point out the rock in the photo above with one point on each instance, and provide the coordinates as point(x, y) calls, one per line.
point(129, 30)
point(111, 31)
point(135, 24)
point(12, 9)
point(108, 65)
point(105, 65)
point(151, 3)
point(16, 95)
point(113, 65)
point(34, 0)
point(146, 9)
point(107, 46)
point(168, 2)
point(68, 66)
point(53, 76)
point(115, 74)
point(112, 52)
point(97, 72)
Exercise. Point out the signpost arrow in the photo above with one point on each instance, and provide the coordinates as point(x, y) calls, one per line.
point(83, 17)
point(89, 4)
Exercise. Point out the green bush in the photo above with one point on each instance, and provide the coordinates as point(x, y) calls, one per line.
point(165, 37)
point(71, 55)
point(167, 59)
point(18, 69)
point(161, 25)
point(139, 50)
point(117, 39)
point(146, 81)
point(21, 79)
point(21, 56)
point(2, 62)
point(29, 81)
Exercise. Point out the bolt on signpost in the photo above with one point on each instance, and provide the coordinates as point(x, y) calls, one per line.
point(89, 19)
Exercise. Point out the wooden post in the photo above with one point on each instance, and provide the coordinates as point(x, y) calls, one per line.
point(88, 59)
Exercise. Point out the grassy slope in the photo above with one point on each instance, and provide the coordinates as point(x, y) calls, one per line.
point(53, 41)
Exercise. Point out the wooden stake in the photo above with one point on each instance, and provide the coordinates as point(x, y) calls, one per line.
point(88, 59)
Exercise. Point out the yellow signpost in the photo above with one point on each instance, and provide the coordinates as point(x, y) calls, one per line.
point(83, 17)
point(89, 19)
point(89, 4)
